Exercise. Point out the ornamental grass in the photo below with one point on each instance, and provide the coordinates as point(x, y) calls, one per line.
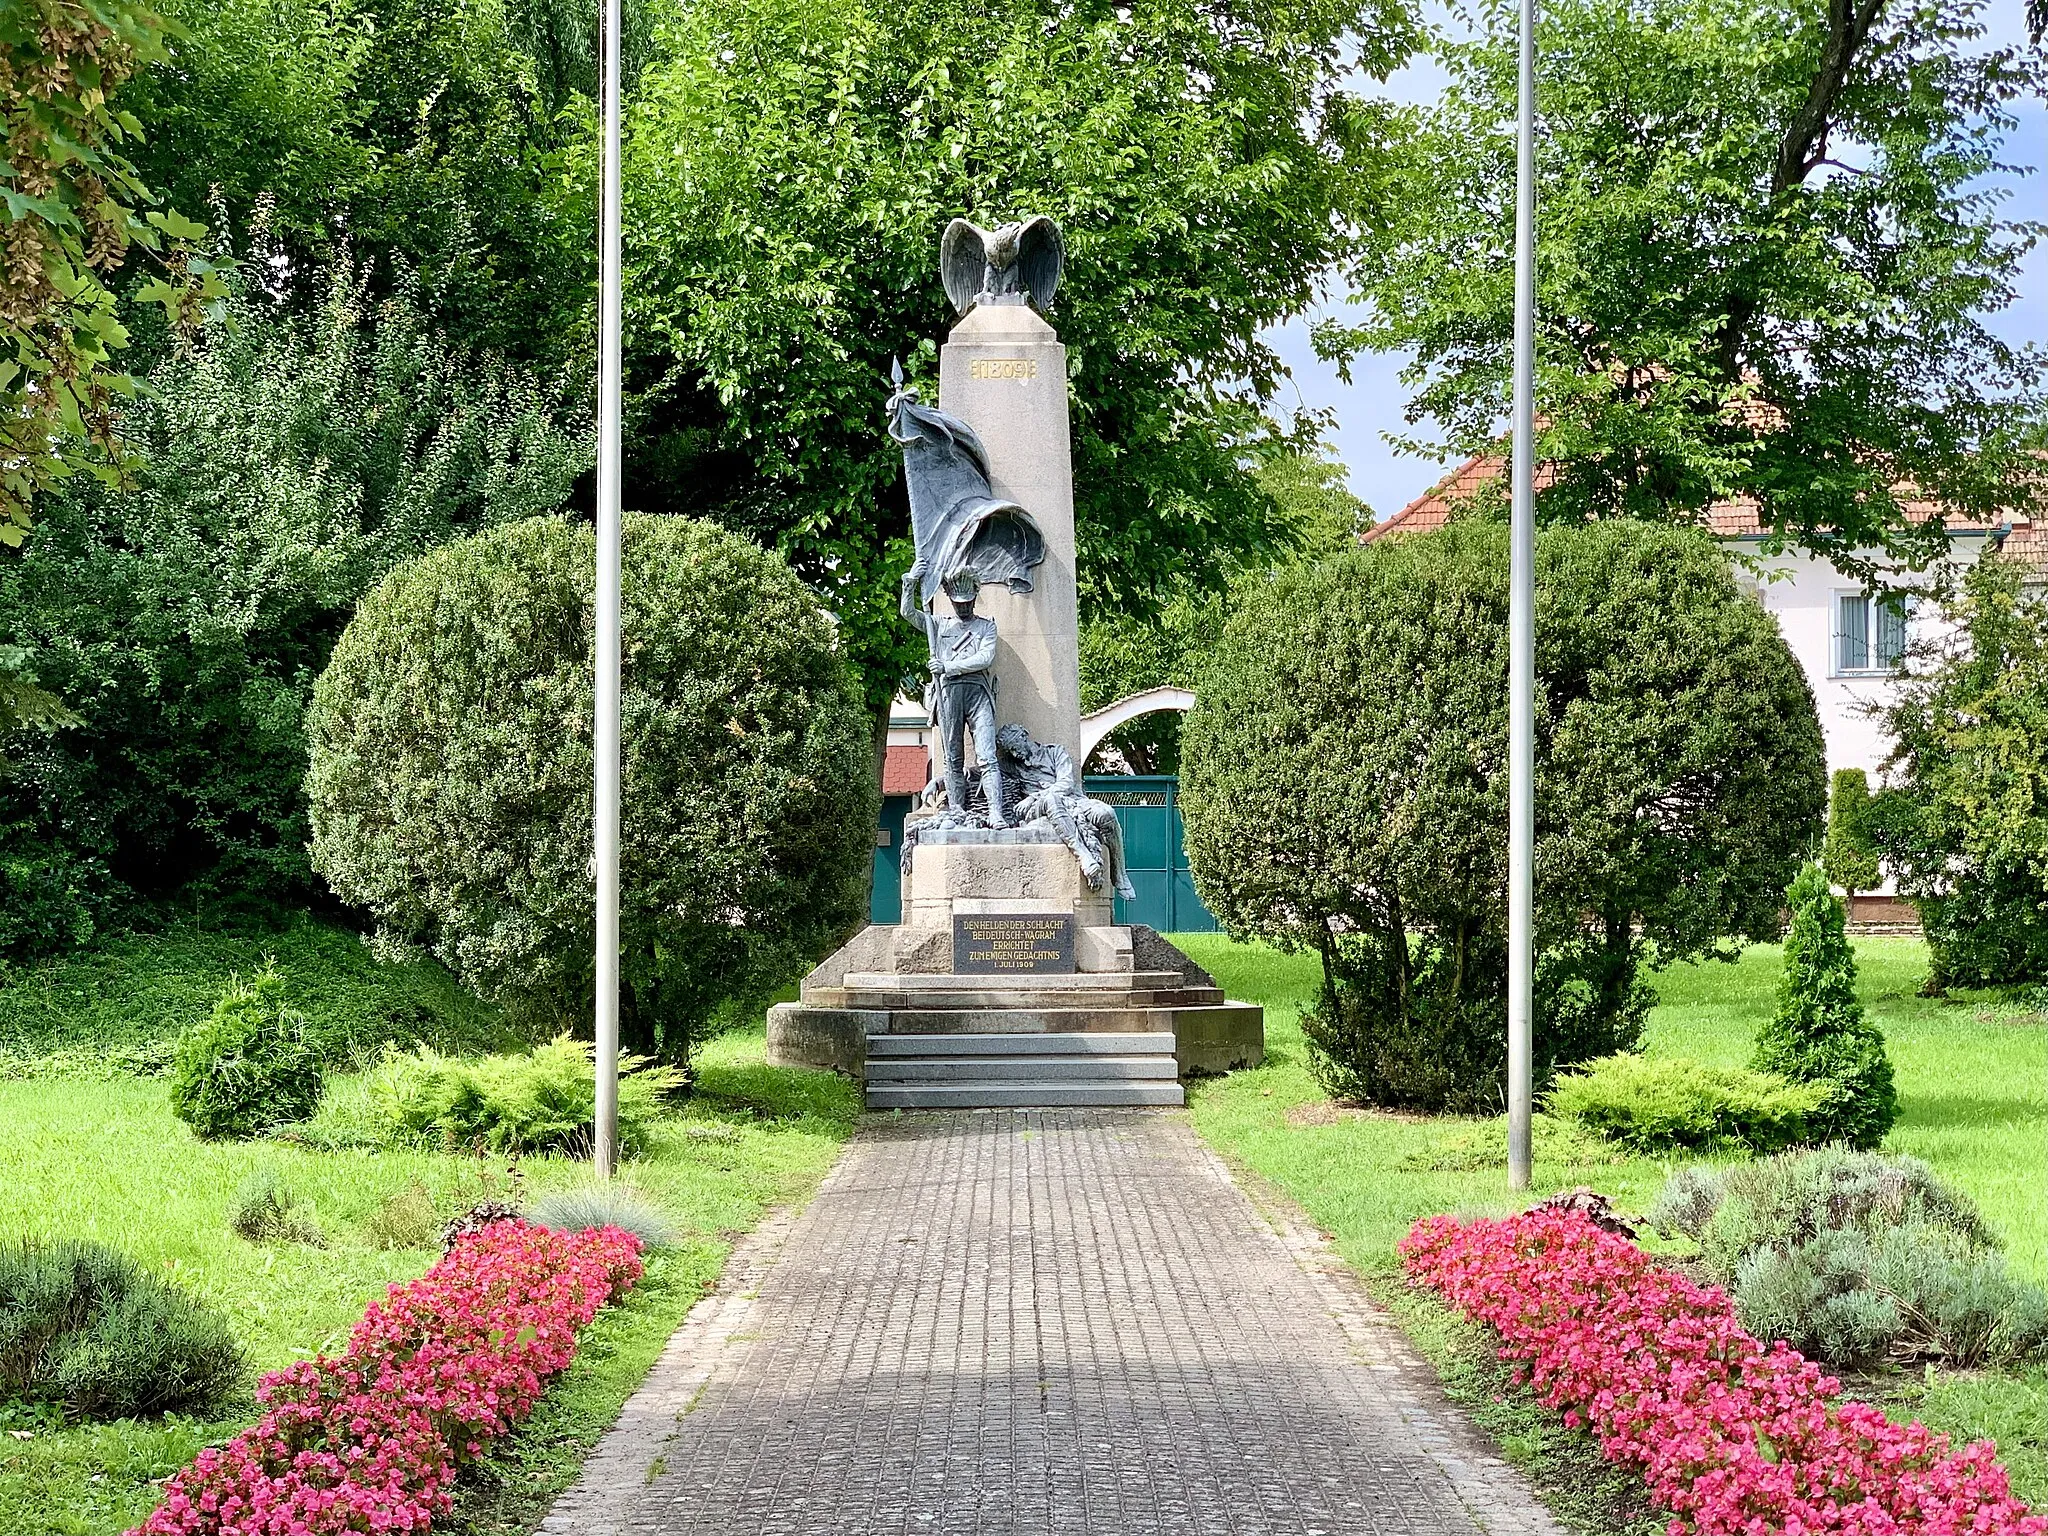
point(1735, 1438)
point(370, 1441)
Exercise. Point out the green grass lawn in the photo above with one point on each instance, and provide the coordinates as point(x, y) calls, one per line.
point(103, 1158)
point(1973, 1089)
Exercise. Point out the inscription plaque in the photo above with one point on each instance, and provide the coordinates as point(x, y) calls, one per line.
point(1003, 368)
point(1013, 943)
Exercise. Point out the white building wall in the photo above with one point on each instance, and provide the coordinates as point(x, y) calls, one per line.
point(1800, 591)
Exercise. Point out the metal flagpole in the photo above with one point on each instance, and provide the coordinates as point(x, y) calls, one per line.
point(1522, 625)
point(605, 743)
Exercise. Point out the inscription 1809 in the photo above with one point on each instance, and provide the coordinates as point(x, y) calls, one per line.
point(987, 943)
point(1003, 368)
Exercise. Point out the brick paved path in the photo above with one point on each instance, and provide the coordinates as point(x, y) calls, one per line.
point(1039, 1321)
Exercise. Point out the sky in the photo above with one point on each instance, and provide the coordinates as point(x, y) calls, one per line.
point(1370, 406)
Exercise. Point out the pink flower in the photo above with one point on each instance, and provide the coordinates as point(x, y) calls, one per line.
point(369, 1442)
point(1735, 1438)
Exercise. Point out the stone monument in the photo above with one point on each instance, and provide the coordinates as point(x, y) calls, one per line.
point(1007, 981)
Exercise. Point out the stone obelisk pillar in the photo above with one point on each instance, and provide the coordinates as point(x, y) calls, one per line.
point(1004, 373)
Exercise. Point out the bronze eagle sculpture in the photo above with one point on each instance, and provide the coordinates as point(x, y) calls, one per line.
point(1017, 264)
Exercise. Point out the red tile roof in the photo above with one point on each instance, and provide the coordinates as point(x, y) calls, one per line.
point(904, 770)
point(2028, 544)
point(1730, 519)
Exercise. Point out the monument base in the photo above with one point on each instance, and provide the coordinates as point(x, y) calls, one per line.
point(1130, 1019)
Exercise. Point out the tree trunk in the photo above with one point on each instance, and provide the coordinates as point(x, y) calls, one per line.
point(1803, 147)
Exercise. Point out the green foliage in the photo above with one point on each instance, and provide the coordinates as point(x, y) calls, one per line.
point(1849, 855)
point(411, 133)
point(89, 1328)
point(603, 1205)
point(1165, 641)
point(1852, 1256)
point(1819, 1033)
point(1658, 1104)
point(405, 1218)
point(1852, 1296)
point(70, 211)
point(24, 706)
point(1313, 493)
point(1556, 1143)
point(544, 1101)
point(1967, 827)
point(292, 461)
point(790, 165)
point(451, 771)
point(1345, 789)
point(1725, 308)
point(1153, 645)
point(249, 1066)
point(1784, 1201)
point(120, 1009)
point(264, 1211)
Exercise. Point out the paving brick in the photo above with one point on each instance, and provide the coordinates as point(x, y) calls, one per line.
point(1040, 1321)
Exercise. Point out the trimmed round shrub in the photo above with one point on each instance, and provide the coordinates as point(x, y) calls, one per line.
point(1652, 1104)
point(1344, 782)
point(87, 1327)
point(450, 783)
point(247, 1066)
point(1819, 1033)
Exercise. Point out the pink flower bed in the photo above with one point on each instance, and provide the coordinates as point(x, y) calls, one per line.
point(1734, 1438)
point(369, 1442)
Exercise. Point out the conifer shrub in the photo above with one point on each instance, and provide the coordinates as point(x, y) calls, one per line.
point(1657, 1104)
point(1964, 826)
point(1850, 855)
point(1819, 1033)
point(86, 1327)
point(249, 1065)
point(543, 1101)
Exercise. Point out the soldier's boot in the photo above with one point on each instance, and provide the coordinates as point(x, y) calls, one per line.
point(992, 786)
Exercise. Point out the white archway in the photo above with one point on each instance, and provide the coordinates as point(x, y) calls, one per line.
point(1099, 724)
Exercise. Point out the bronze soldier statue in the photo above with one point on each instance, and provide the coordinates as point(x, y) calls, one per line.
point(961, 698)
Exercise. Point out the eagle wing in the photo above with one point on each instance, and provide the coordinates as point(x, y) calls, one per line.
point(963, 263)
point(1041, 256)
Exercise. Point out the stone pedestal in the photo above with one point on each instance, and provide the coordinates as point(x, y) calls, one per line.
point(1130, 1018)
point(1022, 869)
point(1004, 373)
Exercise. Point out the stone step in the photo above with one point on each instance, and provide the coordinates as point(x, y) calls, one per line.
point(1042, 1045)
point(891, 1070)
point(1012, 997)
point(1082, 982)
point(1102, 1093)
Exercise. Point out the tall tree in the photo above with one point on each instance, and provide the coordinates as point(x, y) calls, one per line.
point(1765, 261)
point(790, 167)
point(72, 207)
point(419, 136)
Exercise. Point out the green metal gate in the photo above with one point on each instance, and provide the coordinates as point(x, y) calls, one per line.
point(1148, 809)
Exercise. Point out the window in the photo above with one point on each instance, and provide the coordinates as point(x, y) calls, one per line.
point(1870, 633)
